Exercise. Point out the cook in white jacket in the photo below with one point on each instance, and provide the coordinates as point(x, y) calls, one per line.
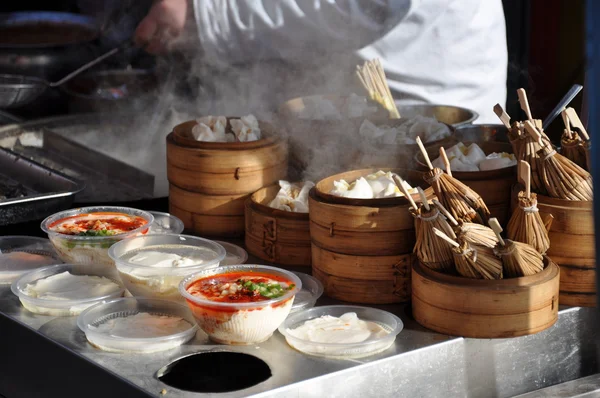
point(433, 51)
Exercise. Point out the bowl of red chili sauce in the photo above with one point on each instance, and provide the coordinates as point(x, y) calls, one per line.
point(240, 304)
point(84, 235)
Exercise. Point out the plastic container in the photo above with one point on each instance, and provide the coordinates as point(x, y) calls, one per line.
point(62, 307)
point(385, 319)
point(240, 323)
point(162, 282)
point(91, 249)
point(235, 254)
point(94, 316)
point(306, 298)
point(165, 223)
point(22, 254)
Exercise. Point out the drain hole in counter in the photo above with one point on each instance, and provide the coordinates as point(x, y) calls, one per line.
point(215, 372)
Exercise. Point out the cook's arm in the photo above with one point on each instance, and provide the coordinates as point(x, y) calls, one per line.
point(245, 30)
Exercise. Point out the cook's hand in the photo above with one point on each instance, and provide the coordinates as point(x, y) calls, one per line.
point(162, 26)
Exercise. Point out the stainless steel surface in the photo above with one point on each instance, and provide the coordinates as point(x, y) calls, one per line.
point(452, 115)
point(586, 387)
point(17, 90)
point(482, 132)
point(562, 104)
point(47, 190)
point(107, 179)
point(420, 363)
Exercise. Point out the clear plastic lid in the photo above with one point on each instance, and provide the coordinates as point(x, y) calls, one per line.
point(58, 296)
point(235, 254)
point(165, 223)
point(21, 254)
point(306, 298)
point(358, 344)
point(165, 325)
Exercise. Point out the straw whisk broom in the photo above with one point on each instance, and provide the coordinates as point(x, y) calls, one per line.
point(562, 178)
point(526, 224)
point(578, 147)
point(571, 145)
point(432, 252)
point(461, 201)
point(471, 262)
point(518, 259)
point(477, 234)
point(373, 79)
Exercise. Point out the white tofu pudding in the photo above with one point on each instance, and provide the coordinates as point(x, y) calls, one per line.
point(65, 289)
point(153, 265)
point(240, 304)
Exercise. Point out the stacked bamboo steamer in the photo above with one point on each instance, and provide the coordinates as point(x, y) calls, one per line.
point(209, 182)
point(362, 248)
point(471, 285)
point(277, 236)
point(494, 185)
point(572, 236)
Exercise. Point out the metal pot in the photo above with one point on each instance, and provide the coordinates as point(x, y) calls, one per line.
point(45, 44)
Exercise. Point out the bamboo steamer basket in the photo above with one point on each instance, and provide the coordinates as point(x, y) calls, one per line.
point(209, 182)
point(362, 248)
point(480, 308)
point(277, 236)
point(572, 247)
point(494, 186)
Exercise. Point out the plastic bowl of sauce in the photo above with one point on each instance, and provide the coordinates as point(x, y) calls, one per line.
point(84, 235)
point(153, 265)
point(240, 304)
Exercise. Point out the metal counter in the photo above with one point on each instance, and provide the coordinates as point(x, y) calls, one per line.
point(420, 363)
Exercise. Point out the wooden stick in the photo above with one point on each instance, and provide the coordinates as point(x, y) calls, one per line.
point(502, 115)
point(525, 175)
point(576, 122)
point(445, 212)
point(423, 198)
point(524, 103)
point(530, 128)
point(445, 160)
point(445, 237)
point(495, 226)
point(399, 182)
point(424, 152)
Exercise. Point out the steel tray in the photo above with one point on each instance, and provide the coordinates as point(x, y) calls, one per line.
point(47, 191)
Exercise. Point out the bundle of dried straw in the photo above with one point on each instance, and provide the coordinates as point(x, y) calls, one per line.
point(525, 224)
point(518, 259)
point(477, 234)
point(473, 262)
point(461, 201)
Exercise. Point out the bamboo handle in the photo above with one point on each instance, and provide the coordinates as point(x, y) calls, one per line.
point(445, 237)
point(576, 122)
point(565, 118)
point(424, 152)
point(548, 222)
point(423, 198)
point(525, 175)
point(399, 183)
point(524, 102)
point(445, 160)
point(533, 132)
point(445, 212)
point(502, 115)
point(495, 226)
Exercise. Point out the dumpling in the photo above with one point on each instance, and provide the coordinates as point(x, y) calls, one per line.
point(427, 128)
point(361, 189)
point(291, 197)
point(474, 154)
point(340, 188)
point(370, 131)
point(458, 165)
point(211, 129)
point(498, 161)
point(246, 128)
point(381, 182)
